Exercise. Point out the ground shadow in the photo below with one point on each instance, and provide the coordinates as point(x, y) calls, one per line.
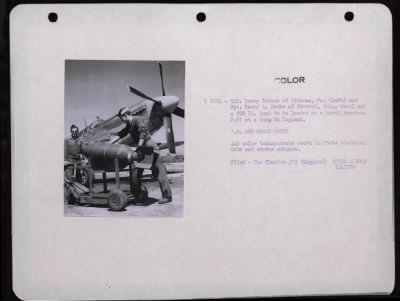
point(148, 202)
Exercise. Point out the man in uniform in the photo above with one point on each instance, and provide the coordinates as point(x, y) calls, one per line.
point(72, 150)
point(72, 154)
point(141, 136)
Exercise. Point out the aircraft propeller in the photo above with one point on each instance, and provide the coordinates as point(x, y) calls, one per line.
point(162, 78)
point(179, 112)
point(141, 94)
point(169, 105)
point(167, 120)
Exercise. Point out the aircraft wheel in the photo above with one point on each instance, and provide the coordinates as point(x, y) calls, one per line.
point(117, 200)
point(143, 195)
point(85, 175)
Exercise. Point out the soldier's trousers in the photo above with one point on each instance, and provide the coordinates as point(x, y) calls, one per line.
point(159, 170)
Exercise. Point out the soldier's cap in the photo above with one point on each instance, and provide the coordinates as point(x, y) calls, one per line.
point(123, 111)
point(74, 127)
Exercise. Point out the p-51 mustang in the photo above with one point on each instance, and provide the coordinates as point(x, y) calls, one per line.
point(105, 141)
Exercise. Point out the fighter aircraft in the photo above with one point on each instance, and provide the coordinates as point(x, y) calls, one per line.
point(105, 139)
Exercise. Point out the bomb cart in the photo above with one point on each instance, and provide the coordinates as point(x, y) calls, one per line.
point(79, 178)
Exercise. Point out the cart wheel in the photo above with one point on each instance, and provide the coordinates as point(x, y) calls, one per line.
point(85, 175)
point(143, 195)
point(117, 200)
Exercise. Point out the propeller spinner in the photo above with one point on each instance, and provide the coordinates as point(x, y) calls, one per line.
point(169, 106)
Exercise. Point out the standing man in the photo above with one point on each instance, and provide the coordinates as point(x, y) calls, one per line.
point(72, 151)
point(72, 146)
point(72, 154)
point(141, 136)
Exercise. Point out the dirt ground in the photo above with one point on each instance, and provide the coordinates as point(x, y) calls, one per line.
point(150, 208)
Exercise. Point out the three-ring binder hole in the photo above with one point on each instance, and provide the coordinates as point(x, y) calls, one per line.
point(201, 17)
point(53, 17)
point(349, 16)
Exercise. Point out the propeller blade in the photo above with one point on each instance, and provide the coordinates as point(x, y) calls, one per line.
point(167, 120)
point(162, 78)
point(138, 93)
point(179, 112)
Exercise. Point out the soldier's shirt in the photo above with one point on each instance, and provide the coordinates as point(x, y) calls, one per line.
point(138, 130)
point(72, 150)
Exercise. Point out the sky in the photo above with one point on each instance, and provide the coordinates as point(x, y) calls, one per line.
point(99, 88)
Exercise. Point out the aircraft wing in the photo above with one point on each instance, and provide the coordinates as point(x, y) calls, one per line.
point(108, 131)
point(108, 139)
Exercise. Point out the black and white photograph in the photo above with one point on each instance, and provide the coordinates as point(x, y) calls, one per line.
point(124, 138)
point(211, 151)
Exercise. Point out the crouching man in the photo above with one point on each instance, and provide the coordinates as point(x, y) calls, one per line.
point(141, 136)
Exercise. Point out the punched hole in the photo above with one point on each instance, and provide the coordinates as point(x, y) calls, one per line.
point(53, 17)
point(349, 16)
point(201, 17)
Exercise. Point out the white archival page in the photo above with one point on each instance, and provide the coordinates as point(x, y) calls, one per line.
point(288, 153)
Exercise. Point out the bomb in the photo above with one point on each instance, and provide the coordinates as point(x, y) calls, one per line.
point(102, 155)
